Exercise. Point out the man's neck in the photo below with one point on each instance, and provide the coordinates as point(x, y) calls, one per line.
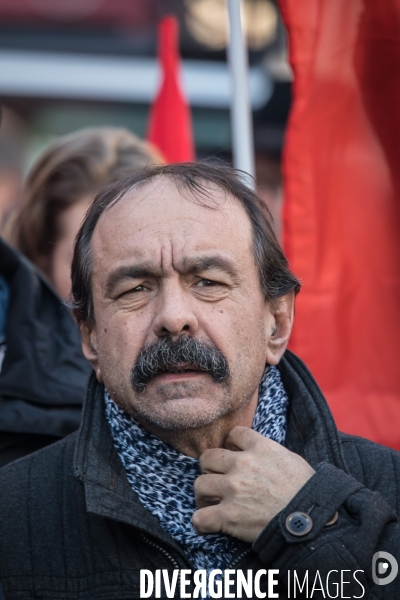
point(194, 441)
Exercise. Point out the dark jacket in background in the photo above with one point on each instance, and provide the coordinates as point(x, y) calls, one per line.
point(44, 374)
point(72, 528)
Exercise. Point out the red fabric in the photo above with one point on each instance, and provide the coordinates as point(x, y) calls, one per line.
point(342, 209)
point(170, 124)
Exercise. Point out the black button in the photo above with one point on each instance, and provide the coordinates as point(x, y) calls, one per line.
point(299, 523)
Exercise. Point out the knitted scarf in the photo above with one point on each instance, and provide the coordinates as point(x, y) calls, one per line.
point(163, 478)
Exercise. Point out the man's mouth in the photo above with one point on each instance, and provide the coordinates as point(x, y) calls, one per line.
point(181, 369)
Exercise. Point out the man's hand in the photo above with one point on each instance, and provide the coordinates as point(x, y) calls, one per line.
point(245, 485)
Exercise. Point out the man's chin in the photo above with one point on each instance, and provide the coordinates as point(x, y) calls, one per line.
point(179, 413)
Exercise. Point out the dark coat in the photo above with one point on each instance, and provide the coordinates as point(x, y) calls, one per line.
point(44, 374)
point(72, 528)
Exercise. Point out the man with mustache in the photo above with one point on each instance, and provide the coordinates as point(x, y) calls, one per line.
point(204, 443)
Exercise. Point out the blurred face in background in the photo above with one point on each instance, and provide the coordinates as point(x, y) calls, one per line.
point(10, 192)
point(68, 224)
point(59, 189)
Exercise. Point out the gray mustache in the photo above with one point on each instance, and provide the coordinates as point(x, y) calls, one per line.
point(165, 353)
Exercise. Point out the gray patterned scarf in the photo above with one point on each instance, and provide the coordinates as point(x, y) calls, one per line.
point(163, 478)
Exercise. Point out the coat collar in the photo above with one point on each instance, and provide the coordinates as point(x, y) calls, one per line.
point(311, 429)
point(311, 432)
point(97, 464)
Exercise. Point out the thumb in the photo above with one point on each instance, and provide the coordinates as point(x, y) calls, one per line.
point(241, 438)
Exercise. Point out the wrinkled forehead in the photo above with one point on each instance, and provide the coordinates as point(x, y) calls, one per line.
point(163, 206)
point(154, 192)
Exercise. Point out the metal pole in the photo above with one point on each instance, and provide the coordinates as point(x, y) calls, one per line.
point(241, 117)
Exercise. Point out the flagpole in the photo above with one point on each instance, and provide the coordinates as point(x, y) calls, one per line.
point(241, 117)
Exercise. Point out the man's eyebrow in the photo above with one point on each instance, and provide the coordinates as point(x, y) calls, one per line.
point(197, 264)
point(137, 271)
point(206, 263)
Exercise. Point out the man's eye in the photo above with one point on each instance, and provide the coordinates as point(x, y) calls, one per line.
point(207, 283)
point(138, 288)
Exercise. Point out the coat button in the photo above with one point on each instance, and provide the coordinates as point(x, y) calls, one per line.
point(299, 523)
point(333, 520)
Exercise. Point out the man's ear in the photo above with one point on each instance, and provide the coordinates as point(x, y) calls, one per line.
point(279, 327)
point(89, 347)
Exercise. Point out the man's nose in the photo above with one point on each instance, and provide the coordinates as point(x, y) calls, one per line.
point(175, 314)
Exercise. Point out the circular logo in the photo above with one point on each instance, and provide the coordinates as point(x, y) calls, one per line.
point(384, 568)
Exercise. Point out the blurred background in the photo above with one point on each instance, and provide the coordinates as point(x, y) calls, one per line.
point(78, 63)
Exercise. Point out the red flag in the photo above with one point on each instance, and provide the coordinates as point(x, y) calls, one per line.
point(170, 124)
point(342, 211)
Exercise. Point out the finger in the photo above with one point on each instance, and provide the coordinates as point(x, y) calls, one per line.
point(204, 502)
point(208, 489)
point(242, 438)
point(207, 520)
point(216, 460)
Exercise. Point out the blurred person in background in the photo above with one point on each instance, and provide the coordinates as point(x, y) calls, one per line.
point(61, 186)
point(269, 187)
point(42, 370)
point(12, 151)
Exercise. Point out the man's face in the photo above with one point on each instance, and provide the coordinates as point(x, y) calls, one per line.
point(166, 267)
